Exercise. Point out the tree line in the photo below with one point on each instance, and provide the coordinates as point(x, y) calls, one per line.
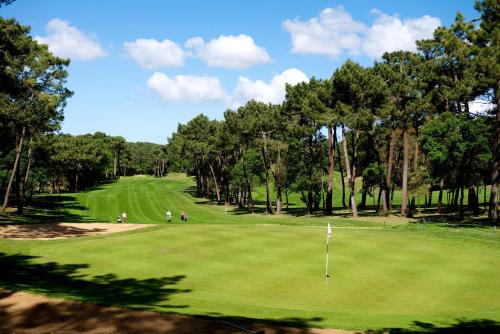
point(402, 123)
point(55, 163)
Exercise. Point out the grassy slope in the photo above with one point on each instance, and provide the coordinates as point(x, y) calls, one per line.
point(146, 200)
point(226, 264)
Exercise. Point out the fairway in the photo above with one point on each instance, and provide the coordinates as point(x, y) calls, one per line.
point(253, 266)
point(146, 200)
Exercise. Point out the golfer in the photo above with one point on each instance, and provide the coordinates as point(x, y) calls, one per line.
point(169, 216)
point(124, 217)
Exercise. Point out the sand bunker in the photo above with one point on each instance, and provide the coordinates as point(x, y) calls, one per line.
point(63, 230)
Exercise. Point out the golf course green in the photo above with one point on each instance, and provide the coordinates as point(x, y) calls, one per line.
point(231, 264)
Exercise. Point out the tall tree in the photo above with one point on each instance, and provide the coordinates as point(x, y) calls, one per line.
point(322, 100)
point(487, 38)
point(32, 93)
point(358, 96)
point(304, 126)
point(399, 70)
point(118, 145)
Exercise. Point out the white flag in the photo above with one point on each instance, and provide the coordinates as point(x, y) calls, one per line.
point(329, 231)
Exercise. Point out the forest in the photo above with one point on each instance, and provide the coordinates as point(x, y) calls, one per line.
point(403, 124)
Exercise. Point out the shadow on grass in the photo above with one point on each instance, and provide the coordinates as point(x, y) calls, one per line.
point(461, 326)
point(20, 272)
point(54, 208)
point(451, 220)
point(49, 209)
point(23, 272)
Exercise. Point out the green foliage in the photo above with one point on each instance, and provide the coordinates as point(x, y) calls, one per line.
point(371, 178)
point(457, 148)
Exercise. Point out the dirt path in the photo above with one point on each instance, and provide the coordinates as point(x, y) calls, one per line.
point(63, 230)
point(23, 313)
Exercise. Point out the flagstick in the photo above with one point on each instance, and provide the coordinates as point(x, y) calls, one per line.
point(326, 270)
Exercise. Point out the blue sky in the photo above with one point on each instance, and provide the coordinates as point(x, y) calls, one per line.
point(138, 68)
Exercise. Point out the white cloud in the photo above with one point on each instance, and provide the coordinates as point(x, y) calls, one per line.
point(152, 54)
point(390, 33)
point(329, 34)
point(335, 32)
point(65, 40)
point(273, 92)
point(187, 88)
point(235, 52)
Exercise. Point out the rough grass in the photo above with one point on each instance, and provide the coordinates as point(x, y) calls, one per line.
point(254, 266)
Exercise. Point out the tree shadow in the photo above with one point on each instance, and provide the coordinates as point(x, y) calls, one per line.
point(461, 326)
point(98, 186)
point(35, 313)
point(451, 221)
point(49, 209)
point(191, 190)
point(20, 272)
point(293, 325)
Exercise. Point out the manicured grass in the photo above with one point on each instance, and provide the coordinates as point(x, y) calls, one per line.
point(262, 267)
point(146, 200)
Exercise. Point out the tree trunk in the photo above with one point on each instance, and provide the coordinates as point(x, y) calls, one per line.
point(19, 147)
point(76, 179)
point(198, 181)
point(473, 200)
point(484, 198)
point(415, 158)
point(241, 199)
point(429, 203)
point(455, 198)
point(248, 184)
point(362, 205)
point(461, 203)
point(227, 195)
point(208, 190)
point(404, 195)
point(316, 200)
point(440, 197)
point(352, 201)
point(493, 207)
point(217, 191)
point(18, 191)
point(390, 159)
point(310, 202)
point(339, 160)
point(277, 183)
point(25, 180)
point(382, 191)
point(355, 136)
point(495, 174)
point(265, 155)
point(378, 200)
point(28, 167)
point(329, 191)
point(115, 163)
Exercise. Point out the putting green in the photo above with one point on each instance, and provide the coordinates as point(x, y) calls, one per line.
point(228, 265)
